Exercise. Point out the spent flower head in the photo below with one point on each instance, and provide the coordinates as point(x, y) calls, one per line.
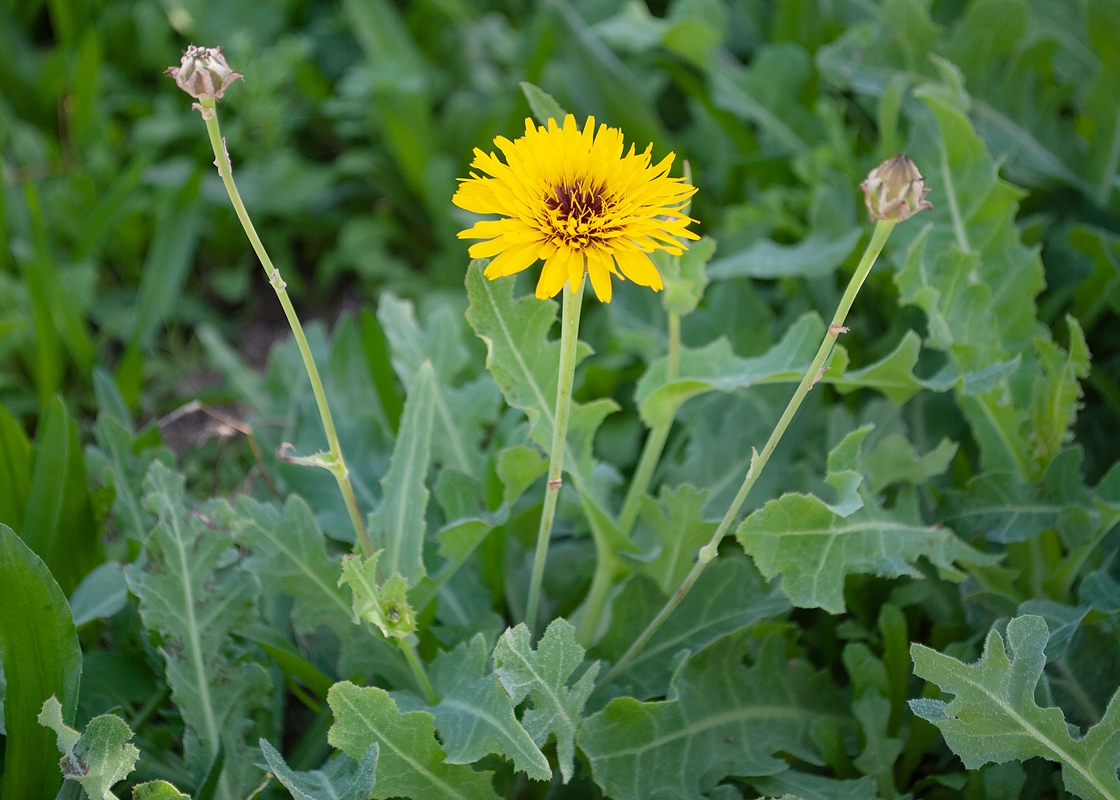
point(895, 190)
point(203, 72)
point(572, 199)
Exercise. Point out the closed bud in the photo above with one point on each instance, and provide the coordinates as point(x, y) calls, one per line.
point(203, 72)
point(894, 190)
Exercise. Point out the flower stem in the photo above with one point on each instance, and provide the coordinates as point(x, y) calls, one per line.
point(758, 462)
point(569, 339)
point(655, 442)
point(336, 466)
point(418, 672)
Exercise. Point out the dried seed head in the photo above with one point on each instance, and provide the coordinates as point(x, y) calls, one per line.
point(203, 72)
point(894, 190)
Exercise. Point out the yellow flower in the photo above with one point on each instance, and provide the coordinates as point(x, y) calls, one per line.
point(574, 200)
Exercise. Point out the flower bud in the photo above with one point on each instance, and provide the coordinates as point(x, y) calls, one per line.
point(203, 72)
point(894, 190)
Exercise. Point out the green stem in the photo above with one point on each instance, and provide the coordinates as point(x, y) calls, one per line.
point(418, 672)
point(569, 339)
point(655, 442)
point(606, 567)
point(758, 462)
point(336, 465)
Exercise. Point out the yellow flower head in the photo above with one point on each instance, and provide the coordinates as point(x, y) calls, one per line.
point(574, 200)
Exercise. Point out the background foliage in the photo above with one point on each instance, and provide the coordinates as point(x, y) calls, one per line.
point(948, 485)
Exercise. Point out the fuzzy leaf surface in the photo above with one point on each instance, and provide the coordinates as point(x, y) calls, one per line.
point(523, 360)
point(475, 716)
point(99, 757)
point(994, 717)
point(542, 675)
point(410, 761)
point(195, 604)
point(721, 719)
point(398, 525)
point(341, 778)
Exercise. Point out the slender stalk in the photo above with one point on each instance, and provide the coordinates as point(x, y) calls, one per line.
point(336, 465)
point(418, 672)
point(606, 564)
point(758, 462)
point(655, 442)
point(569, 339)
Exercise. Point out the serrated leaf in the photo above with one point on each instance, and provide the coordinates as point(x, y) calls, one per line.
point(195, 604)
point(680, 531)
point(815, 548)
point(893, 375)
point(410, 761)
point(721, 719)
point(398, 525)
point(115, 465)
point(41, 658)
point(728, 596)
point(716, 367)
point(1000, 508)
point(342, 778)
point(994, 717)
point(1057, 393)
point(287, 553)
point(460, 412)
point(524, 362)
point(880, 750)
point(99, 757)
point(542, 675)
point(475, 716)
point(894, 460)
point(384, 603)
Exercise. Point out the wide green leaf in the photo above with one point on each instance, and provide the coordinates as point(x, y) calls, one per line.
point(195, 603)
point(41, 659)
point(815, 547)
point(341, 778)
point(524, 362)
point(728, 596)
point(721, 719)
point(543, 675)
point(475, 717)
point(993, 716)
point(410, 761)
point(679, 531)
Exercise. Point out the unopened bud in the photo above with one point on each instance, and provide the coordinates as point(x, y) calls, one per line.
point(203, 72)
point(894, 190)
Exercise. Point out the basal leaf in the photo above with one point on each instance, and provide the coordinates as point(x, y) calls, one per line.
point(398, 525)
point(116, 465)
point(41, 659)
point(410, 761)
point(815, 547)
point(679, 531)
point(15, 470)
point(475, 716)
point(993, 716)
point(894, 460)
point(542, 675)
point(287, 553)
point(721, 719)
point(102, 593)
point(341, 778)
point(893, 375)
point(524, 362)
point(194, 604)
point(716, 367)
point(460, 412)
point(728, 596)
point(1057, 393)
point(807, 786)
point(99, 757)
